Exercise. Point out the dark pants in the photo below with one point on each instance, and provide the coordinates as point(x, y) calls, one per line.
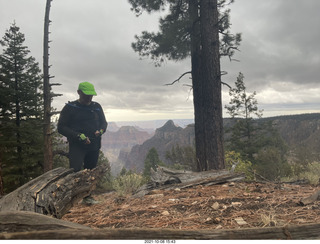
point(80, 155)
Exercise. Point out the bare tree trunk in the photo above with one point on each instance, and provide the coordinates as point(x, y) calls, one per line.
point(197, 85)
point(48, 156)
point(206, 81)
point(211, 85)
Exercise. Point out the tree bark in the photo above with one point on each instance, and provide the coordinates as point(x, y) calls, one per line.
point(206, 83)
point(24, 221)
point(211, 79)
point(197, 85)
point(54, 192)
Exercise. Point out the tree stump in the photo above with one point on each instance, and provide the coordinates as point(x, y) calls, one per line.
point(54, 192)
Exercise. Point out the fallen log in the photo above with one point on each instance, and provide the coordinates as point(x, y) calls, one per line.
point(311, 199)
point(54, 192)
point(24, 221)
point(164, 178)
point(33, 226)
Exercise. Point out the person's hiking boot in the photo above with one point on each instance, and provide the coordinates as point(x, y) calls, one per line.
point(89, 200)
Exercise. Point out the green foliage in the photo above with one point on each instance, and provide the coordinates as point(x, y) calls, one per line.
point(246, 134)
point(128, 183)
point(241, 165)
point(173, 41)
point(255, 140)
point(105, 183)
point(21, 109)
point(272, 164)
point(311, 173)
point(303, 157)
point(242, 104)
point(151, 161)
point(182, 157)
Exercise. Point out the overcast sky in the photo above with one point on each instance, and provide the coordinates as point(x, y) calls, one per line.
point(91, 41)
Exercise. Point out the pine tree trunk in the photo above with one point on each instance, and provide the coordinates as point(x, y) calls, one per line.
point(211, 84)
point(48, 155)
point(205, 61)
point(197, 85)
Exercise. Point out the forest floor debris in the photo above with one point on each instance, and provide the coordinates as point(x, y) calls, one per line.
point(227, 206)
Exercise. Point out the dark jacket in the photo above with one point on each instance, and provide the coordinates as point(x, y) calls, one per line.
point(76, 119)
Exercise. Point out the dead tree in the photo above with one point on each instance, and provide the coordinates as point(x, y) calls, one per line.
point(47, 95)
point(54, 192)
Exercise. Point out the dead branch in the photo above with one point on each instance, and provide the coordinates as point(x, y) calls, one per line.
point(177, 80)
point(223, 83)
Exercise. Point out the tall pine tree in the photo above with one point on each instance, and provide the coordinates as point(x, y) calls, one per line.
point(200, 29)
point(21, 109)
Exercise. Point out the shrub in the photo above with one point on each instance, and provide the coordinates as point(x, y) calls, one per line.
point(312, 173)
point(127, 184)
point(272, 164)
point(242, 165)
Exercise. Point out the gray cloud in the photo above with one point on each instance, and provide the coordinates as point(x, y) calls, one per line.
point(279, 40)
point(280, 55)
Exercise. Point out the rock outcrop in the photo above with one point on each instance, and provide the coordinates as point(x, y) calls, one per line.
point(163, 140)
point(300, 132)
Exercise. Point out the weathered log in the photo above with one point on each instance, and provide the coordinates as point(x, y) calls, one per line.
point(33, 226)
point(24, 221)
point(54, 192)
point(311, 199)
point(165, 178)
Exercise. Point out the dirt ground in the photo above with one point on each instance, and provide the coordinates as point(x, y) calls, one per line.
point(232, 205)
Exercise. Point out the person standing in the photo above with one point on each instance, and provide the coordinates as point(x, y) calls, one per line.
point(83, 123)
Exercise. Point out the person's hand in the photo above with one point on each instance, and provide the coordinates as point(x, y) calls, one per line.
point(99, 132)
point(83, 138)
